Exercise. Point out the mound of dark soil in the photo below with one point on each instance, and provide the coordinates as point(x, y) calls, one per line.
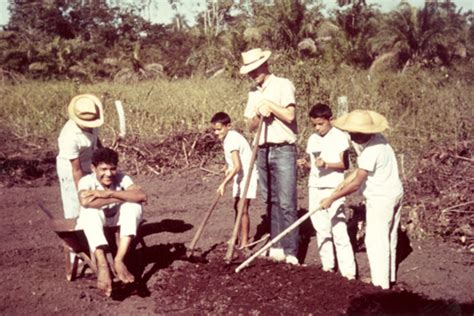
point(268, 288)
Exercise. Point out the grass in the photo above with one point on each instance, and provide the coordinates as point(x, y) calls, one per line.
point(423, 107)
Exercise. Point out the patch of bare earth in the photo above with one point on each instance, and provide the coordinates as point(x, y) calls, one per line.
point(435, 276)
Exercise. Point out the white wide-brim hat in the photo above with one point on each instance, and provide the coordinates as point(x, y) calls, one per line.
point(86, 110)
point(253, 59)
point(362, 121)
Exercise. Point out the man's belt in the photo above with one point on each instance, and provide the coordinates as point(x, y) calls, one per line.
point(273, 145)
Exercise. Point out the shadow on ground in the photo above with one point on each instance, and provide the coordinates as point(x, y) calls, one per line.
point(159, 256)
point(405, 303)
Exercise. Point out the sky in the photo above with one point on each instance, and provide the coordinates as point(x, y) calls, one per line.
point(161, 11)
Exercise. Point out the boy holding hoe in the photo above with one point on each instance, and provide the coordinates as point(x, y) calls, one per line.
point(327, 149)
point(377, 176)
point(237, 153)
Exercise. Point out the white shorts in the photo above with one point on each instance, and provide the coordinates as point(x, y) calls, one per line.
point(239, 185)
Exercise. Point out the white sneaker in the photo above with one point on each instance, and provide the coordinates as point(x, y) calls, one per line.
point(292, 260)
point(277, 254)
point(331, 270)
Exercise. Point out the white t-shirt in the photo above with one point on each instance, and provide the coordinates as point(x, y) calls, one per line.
point(329, 147)
point(378, 158)
point(75, 143)
point(280, 91)
point(90, 182)
point(234, 141)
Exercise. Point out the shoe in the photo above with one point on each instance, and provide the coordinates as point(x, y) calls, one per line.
point(292, 260)
point(277, 254)
point(331, 270)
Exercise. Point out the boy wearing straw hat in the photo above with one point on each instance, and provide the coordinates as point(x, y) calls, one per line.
point(77, 141)
point(377, 175)
point(237, 154)
point(327, 149)
point(274, 99)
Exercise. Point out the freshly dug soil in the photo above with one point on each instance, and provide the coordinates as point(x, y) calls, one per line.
point(435, 278)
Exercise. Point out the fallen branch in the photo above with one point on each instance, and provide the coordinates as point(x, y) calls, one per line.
point(185, 153)
point(463, 158)
point(451, 208)
point(209, 171)
point(153, 170)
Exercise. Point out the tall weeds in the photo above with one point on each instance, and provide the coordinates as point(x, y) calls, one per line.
point(423, 107)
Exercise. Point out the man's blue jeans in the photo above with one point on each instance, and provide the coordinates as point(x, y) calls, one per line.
point(277, 177)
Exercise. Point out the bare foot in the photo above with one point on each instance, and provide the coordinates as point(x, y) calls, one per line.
point(122, 272)
point(104, 281)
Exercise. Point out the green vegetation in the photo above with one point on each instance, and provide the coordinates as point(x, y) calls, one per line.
point(421, 106)
point(95, 41)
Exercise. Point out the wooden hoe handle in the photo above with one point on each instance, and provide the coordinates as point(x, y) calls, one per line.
point(230, 246)
point(201, 228)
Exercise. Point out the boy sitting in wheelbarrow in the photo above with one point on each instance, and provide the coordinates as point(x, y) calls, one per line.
point(109, 198)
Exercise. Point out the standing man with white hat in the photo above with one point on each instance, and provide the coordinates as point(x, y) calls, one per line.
point(274, 100)
point(377, 175)
point(77, 141)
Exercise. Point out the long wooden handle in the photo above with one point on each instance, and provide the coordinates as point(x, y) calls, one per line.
point(201, 227)
point(235, 232)
point(45, 210)
point(276, 239)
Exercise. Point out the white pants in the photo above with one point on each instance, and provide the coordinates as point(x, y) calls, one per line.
point(93, 220)
point(383, 219)
point(69, 195)
point(331, 232)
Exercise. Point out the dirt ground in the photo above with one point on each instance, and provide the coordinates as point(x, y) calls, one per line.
point(435, 278)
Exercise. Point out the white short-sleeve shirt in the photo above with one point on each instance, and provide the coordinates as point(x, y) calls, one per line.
point(90, 182)
point(280, 91)
point(378, 158)
point(329, 147)
point(74, 143)
point(234, 141)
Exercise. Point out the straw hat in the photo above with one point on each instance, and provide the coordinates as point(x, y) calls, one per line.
point(253, 59)
point(362, 121)
point(86, 110)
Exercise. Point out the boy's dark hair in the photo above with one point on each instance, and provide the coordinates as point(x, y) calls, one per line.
point(104, 155)
point(320, 110)
point(221, 117)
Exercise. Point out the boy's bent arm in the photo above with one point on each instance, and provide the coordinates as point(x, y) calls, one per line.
point(237, 167)
point(286, 114)
point(341, 165)
point(99, 198)
point(252, 123)
point(96, 198)
point(132, 194)
point(347, 188)
point(77, 172)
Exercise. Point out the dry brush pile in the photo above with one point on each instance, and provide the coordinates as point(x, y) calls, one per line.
point(439, 197)
point(30, 161)
point(175, 151)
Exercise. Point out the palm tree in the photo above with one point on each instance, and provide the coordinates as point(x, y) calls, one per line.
point(417, 34)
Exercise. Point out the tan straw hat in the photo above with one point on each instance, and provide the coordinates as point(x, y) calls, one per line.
point(362, 121)
point(86, 110)
point(253, 59)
